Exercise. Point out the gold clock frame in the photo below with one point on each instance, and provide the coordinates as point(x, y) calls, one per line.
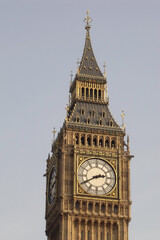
point(79, 191)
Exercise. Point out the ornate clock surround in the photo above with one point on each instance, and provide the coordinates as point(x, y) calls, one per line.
point(79, 191)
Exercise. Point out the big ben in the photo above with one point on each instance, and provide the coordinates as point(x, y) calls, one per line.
point(88, 173)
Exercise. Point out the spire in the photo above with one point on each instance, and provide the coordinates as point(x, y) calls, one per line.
point(88, 65)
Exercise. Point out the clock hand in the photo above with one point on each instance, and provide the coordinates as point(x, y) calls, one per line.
point(94, 177)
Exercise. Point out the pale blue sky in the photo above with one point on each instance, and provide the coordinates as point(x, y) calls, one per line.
point(40, 41)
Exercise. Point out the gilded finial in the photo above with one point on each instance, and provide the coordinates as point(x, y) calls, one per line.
point(104, 66)
point(88, 20)
point(107, 97)
point(123, 115)
point(78, 62)
point(54, 134)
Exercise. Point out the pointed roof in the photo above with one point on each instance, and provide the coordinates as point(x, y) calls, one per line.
point(88, 65)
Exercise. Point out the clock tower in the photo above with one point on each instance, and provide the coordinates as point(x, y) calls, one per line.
point(88, 173)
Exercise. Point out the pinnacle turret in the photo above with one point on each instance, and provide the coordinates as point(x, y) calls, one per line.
point(88, 65)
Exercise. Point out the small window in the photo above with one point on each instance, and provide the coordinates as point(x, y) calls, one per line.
point(89, 141)
point(82, 111)
point(111, 123)
point(90, 207)
point(113, 144)
point(88, 121)
point(96, 207)
point(93, 113)
point(95, 141)
point(103, 114)
point(101, 142)
point(100, 122)
point(82, 92)
point(91, 93)
point(103, 208)
point(77, 139)
point(87, 92)
point(116, 209)
point(95, 94)
point(99, 94)
point(77, 119)
point(109, 209)
point(107, 143)
point(82, 140)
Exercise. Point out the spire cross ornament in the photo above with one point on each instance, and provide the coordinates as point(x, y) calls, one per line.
point(88, 20)
point(104, 66)
point(54, 132)
point(71, 76)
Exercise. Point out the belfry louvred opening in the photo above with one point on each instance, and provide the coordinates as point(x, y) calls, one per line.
point(88, 172)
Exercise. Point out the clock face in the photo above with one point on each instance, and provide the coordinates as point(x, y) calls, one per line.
point(52, 186)
point(96, 176)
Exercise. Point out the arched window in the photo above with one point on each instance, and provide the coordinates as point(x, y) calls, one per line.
point(82, 140)
point(115, 209)
point(83, 206)
point(93, 113)
point(77, 139)
point(113, 144)
point(96, 207)
point(89, 140)
point(88, 120)
point(109, 209)
point(77, 119)
point(101, 142)
point(95, 94)
point(107, 143)
point(82, 92)
point(91, 93)
point(82, 111)
point(99, 94)
point(103, 114)
point(95, 141)
point(90, 207)
point(103, 208)
point(111, 123)
point(100, 122)
point(87, 92)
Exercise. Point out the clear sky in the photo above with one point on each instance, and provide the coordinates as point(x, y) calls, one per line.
point(40, 41)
